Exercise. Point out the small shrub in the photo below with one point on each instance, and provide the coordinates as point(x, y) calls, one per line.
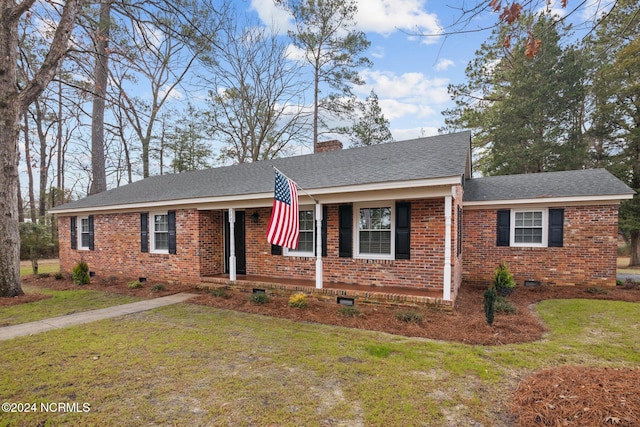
point(503, 305)
point(348, 311)
point(58, 276)
point(409, 316)
point(81, 273)
point(259, 298)
point(44, 275)
point(134, 285)
point(378, 350)
point(490, 297)
point(219, 293)
point(596, 290)
point(157, 288)
point(503, 281)
point(631, 284)
point(298, 300)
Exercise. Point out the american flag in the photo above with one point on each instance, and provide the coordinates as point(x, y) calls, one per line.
point(284, 227)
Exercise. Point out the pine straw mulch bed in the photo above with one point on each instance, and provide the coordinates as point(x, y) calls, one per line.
point(579, 396)
point(566, 396)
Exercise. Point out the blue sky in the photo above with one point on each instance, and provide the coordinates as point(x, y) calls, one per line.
point(410, 74)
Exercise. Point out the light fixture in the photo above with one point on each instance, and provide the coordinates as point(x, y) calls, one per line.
point(255, 217)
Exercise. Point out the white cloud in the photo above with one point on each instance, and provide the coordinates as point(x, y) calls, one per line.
point(413, 86)
point(272, 16)
point(395, 109)
point(375, 16)
point(378, 52)
point(411, 133)
point(444, 64)
point(173, 94)
point(388, 16)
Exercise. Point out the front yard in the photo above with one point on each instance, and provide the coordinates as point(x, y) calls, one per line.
point(192, 364)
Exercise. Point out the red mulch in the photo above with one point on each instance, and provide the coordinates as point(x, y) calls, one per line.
point(566, 396)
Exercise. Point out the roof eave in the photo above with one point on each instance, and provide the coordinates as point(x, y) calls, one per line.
point(565, 200)
point(254, 200)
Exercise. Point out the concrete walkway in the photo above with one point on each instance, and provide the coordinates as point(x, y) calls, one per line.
point(44, 325)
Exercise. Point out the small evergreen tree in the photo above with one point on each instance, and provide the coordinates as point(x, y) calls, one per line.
point(503, 281)
point(81, 273)
point(490, 297)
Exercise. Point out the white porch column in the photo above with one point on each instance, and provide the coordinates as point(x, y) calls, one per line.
point(318, 246)
point(446, 294)
point(232, 244)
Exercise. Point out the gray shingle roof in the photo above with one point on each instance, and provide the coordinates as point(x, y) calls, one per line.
point(422, 158)
point(590, 182)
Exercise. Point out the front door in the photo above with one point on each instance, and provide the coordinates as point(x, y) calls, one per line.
point(241, 259)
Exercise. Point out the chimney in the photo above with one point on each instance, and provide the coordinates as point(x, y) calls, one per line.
point(332, 145)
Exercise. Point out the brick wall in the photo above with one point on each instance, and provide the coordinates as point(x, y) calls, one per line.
point(117, 248)
point(423, 270)
point(200, 250)
point(587, 258)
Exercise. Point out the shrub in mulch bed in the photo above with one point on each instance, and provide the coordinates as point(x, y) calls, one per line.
point(578, 396)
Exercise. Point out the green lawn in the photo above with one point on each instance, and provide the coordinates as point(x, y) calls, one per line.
point(60, 304)
point(44, 266)
point(195, 365)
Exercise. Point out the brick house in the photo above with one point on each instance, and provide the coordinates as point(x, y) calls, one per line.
point(399, 218)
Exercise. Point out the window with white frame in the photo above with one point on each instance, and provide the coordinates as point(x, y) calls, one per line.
point(306, 242)
point(529, 227)
point(374, 231)
point(84, 237)
point(160, 232)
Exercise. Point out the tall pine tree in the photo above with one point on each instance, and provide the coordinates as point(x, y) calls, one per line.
point(616, 88)
point(371, 126)
point(527, 112)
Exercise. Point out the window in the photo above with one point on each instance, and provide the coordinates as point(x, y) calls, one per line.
point(529, 228)
point(160, 233)
point(83, 233)
point(374, 232)
point(306, 243)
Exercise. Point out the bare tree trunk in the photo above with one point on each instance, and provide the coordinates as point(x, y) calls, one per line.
point(635, 249)
point(13, 103)
point(59, 172)
point(27, 159)
point(99, 182)
point(9, 136)
point(44, 166)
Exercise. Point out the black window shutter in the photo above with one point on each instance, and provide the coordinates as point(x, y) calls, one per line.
point(171, 219)
point(556, 227)
point(403, 230)
point(144, 232)
point(504, 225)
point(345, 231)
point(276, 250)
point(74, 232)
point(91, 233)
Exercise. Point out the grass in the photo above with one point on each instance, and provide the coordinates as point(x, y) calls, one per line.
point(60, 304)
point(44, 266)
point(623, 266)
point(195, 365)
